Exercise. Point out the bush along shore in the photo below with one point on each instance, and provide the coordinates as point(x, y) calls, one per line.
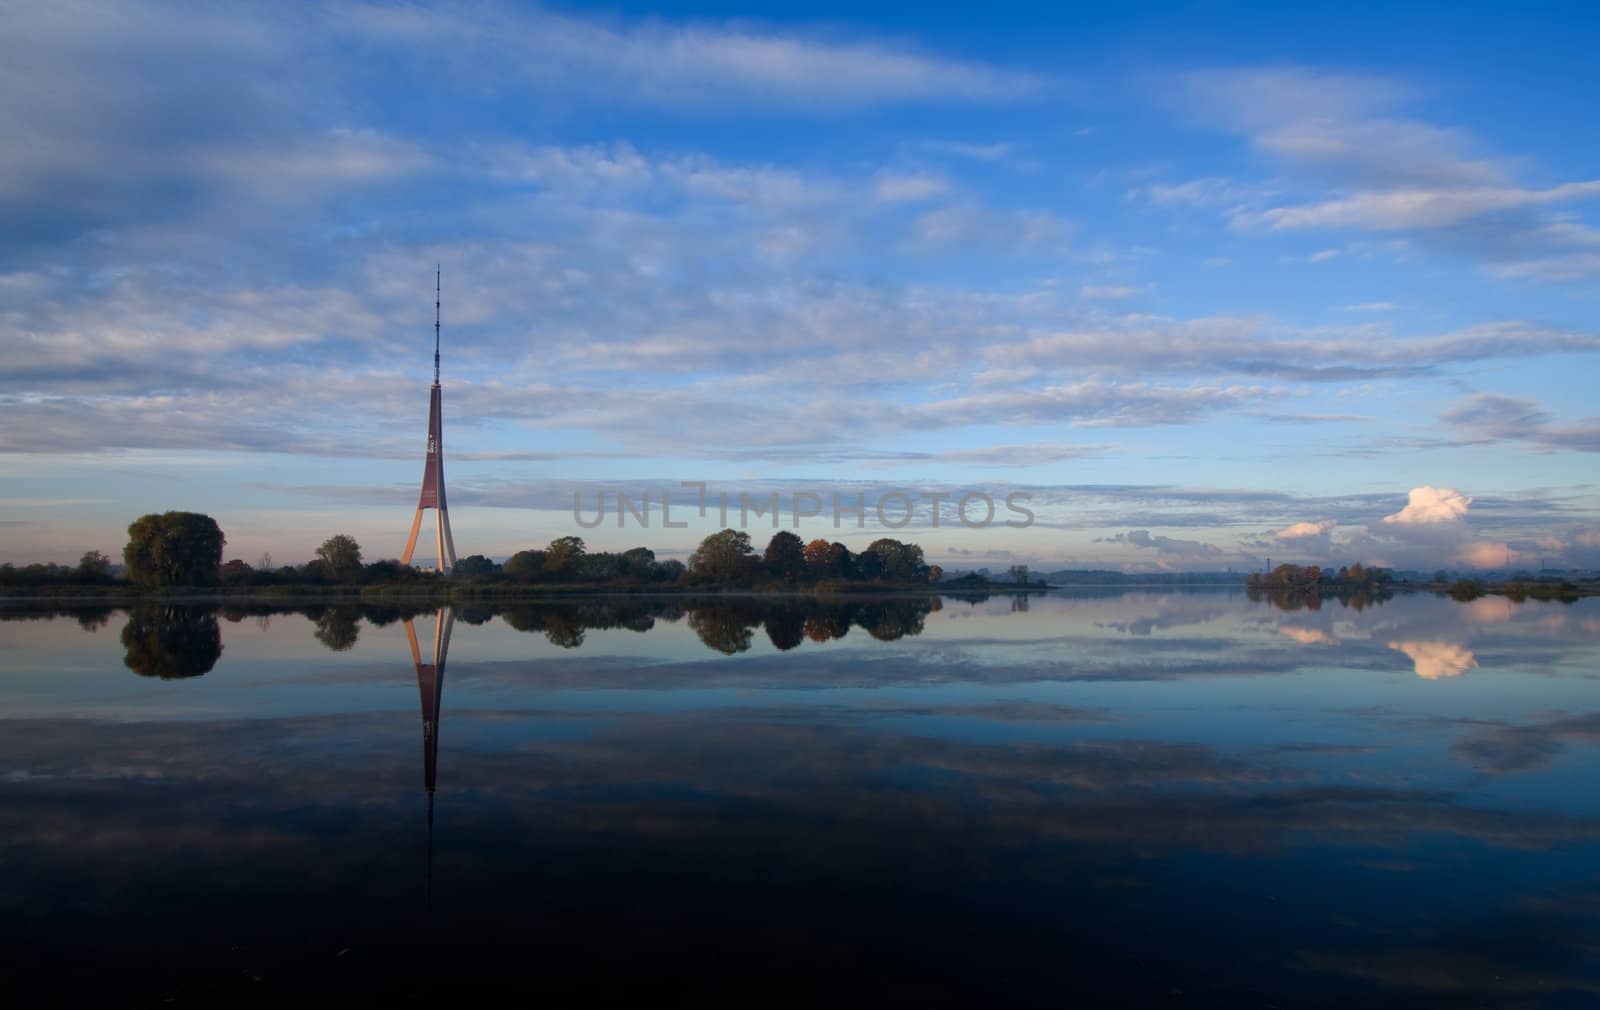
point(179, 555)
point(1301, 584)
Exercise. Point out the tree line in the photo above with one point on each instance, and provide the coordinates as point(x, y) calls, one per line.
point(725, 558)
point(1354, 578)
point(185, 549)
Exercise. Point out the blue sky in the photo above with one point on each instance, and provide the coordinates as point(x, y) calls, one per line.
point(1211, 283)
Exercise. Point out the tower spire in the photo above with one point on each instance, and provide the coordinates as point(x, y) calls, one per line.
point(438, 273)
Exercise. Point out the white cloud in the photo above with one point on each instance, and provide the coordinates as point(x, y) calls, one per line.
point(1413, 209)
point(702, 64)
point(977, 152)
point(1213, 345)
point(1493, 554)
point(1493, 417)
point(1430, 505)
point(969, 227)
point(893, 187)
point(1165, 545)
point(1377, 170)
point(1205, 192)
point(1107, 292)
point(1566, 267)
point(1305, 530)
point(1341, 126)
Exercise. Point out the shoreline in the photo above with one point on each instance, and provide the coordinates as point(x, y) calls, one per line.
point(469, 593)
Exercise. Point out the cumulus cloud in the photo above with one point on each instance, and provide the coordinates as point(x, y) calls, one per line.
point(1304, 539)
point(1430, 505)
point(1494, 554)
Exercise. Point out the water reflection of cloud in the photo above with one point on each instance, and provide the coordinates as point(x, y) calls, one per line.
point(1437, 660)
point(1489, 610)
point(1507, 747)
point(794, 812)
point(1307, 636)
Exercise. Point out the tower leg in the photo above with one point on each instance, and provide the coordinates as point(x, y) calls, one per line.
point(411, 541)
point(411, 636)
point(438, 532)
point(449, 541)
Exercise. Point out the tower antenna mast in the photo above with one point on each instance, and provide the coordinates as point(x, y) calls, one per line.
point(437, 273)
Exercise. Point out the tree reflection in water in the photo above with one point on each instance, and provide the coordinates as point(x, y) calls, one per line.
point(339, 626)
point(171, 642)
point(1287, 599)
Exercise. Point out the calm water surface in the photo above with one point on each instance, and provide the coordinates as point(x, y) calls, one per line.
point(1133, 799)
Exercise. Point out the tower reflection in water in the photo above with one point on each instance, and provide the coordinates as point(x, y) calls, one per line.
point(430, 684)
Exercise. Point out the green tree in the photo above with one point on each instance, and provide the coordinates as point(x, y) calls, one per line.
point(389, 570)
point(869, 565)
point(723, 556)
point(895, 560)
point(844, 563)
point(785, 556)
point(638, 563)
point(561, 557)
point(236, 572)
point(174, 549)
point(94, 567)
point(525, 566)
point(341, 558)
point(476, 566)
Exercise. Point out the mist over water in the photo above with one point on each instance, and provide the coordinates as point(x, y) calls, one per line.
point(1149, 799)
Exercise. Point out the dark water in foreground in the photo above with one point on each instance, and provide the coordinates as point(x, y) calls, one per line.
point(1147, 800)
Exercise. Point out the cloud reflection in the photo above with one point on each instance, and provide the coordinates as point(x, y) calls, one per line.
point(1437, 660)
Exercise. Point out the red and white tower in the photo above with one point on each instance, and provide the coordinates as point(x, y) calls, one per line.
point(433, 466)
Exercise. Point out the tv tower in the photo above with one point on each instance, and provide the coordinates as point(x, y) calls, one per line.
point(432, 496)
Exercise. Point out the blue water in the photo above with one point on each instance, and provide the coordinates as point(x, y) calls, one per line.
point(1139, 799)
